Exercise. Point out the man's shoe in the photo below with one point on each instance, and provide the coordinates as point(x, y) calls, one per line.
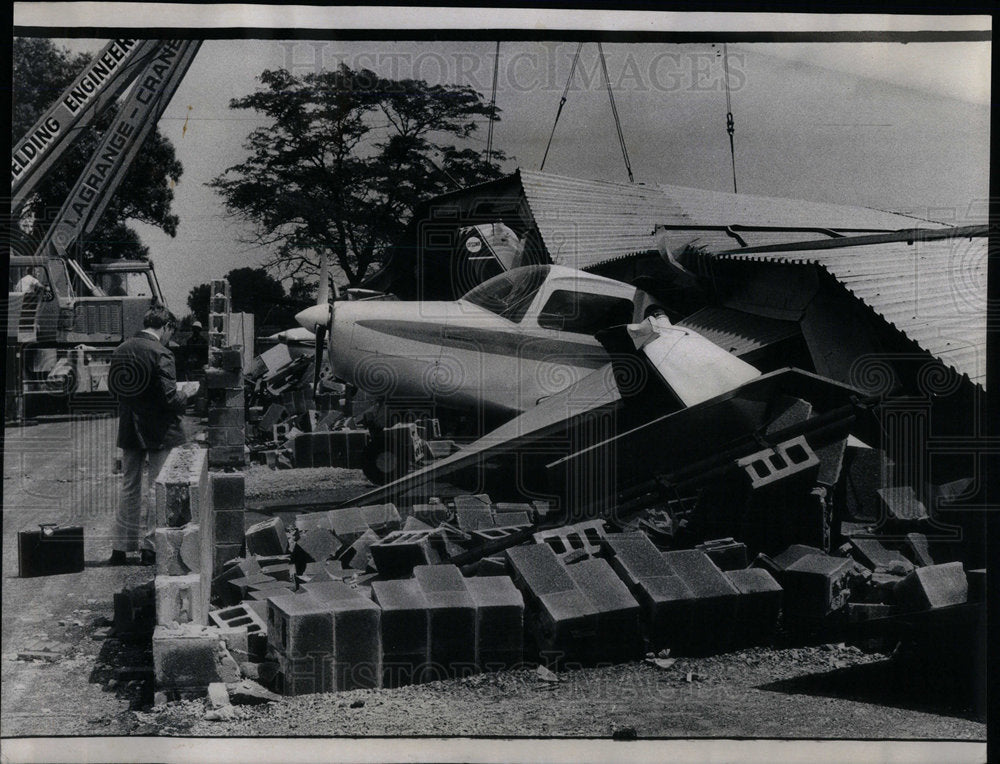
point(117, 558)
point(147, 557)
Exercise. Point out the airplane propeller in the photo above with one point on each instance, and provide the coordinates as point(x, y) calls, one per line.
point(319, 317)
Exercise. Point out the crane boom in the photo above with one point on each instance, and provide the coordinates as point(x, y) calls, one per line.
point(100, 84)
point(137, 117)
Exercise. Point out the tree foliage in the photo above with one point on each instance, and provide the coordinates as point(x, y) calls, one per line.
point(252, 290)
point(345, 158)
point(40, 74)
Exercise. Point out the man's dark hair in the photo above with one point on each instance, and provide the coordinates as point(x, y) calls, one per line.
point(157, 317)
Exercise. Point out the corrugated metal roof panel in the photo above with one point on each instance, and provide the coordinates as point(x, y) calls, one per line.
point(724, 208)
point(587, 222)
point(736, 331)
point(932, 291)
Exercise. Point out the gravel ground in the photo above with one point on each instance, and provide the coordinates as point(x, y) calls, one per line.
point(751, 693)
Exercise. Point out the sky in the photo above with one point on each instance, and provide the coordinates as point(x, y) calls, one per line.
point(899, 127)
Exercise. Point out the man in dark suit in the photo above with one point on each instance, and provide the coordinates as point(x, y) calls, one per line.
point(143, 378)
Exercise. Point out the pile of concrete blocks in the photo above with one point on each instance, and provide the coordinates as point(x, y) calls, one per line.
point(224, 386)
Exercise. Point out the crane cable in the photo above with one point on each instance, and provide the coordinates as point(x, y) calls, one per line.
point(614, 111)
point(562, 102)
point(493, 107)
point(730, 126)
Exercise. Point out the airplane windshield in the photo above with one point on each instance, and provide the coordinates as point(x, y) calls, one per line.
point(511, 293)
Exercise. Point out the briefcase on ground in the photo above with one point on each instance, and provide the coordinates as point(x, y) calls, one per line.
point(50, 550)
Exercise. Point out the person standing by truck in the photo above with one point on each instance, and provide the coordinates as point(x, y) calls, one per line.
point(143, 378)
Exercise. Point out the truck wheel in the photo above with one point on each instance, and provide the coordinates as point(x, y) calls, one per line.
point(384, 462)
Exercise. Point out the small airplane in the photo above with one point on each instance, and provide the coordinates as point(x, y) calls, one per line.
point(508, 343)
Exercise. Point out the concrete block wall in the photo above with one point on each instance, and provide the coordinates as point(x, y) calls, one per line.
point(180, 502)
point(224, 386)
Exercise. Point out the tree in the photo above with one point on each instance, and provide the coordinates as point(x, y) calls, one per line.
point(346, 157)
point(198, 302)
point(41, 72)
point(252, 290)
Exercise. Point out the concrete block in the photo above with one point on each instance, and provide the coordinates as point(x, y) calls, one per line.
point(177, 487)
point(348, 524)
point(223, 553)
point(792, 554)
point(381, 518)
point(902, 503)
point(190, 549)
point(229, 527)
point(712, 611)
point(274, 414)
point(316, 545)
point(227, 491)
point(267, 537)
point(359, 555)
point(405, 626)
point(413, 524)
point(618, 612)
point(226, 436)
point(221, 457)
point(727, 554)
point(634, 557)
point(873, 555)
point(475, 501)
point(237, 589)
point(565, 620)
point(816, 586)
point(347, 448)
point(474, 518)
point(512, 519)
point(229, 397)
point(758, 605)
point(180, 599)
point(238, 617)
point(499, 622)
point(185, 657)
point(931, 587)
point(399, 552)
point(432, 513)
point(313, 521)
point(452, 613)
point(167, 542)
point(571, 539)
point(228, 359)
point(357, 638)
point(216, 379)
point(300, 629)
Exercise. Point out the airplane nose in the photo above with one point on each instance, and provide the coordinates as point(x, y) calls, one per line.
point(316, 315)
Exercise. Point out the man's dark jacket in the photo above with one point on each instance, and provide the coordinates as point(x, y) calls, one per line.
point(143, 378)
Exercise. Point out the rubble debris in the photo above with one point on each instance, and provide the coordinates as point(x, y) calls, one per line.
point(902, 504)
point(758, 606)
point(872, 554)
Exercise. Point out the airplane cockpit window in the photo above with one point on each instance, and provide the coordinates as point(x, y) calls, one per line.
point(584, 313)
point(510, 294)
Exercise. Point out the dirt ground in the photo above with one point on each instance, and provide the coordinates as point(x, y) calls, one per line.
point(96, 684)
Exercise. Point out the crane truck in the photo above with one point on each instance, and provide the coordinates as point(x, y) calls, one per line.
point(64, 321)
